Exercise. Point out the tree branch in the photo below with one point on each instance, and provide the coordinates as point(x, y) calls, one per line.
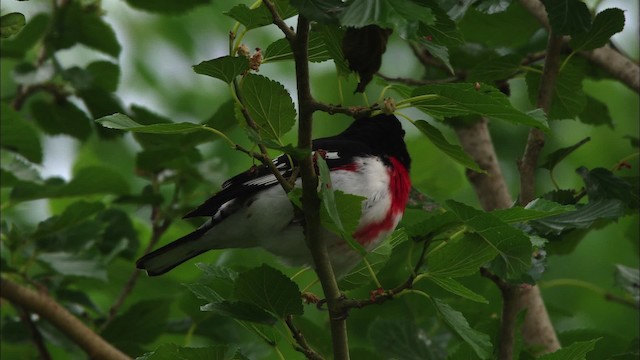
point(303, 345)
point(490, 188)
point(611, 60)
point(40, 303)
point(355, 111)
point(277, 20)
point(311, 202)
point(529, 162)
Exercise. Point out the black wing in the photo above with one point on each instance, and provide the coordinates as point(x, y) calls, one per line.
point(339, 153)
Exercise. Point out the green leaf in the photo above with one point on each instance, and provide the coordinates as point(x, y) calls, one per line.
point(606, 23)
point(397, 338)
point(576, 351)
point(348, 207)
point(62, 117)
point(332, 36)
point(512, 244)
point(11, 24)
point(87, 181)
point(537, 209)
point(168, 7)
point(250, 18)
point(327, 194)
point(557, 156)
point(241, 310)
point(440, 52)
point(175, 352)
point(218, 273)
point(457, 288)
point(260, 16)
point(81, 265)
point(322, 11)
point(98, 34)
point(629, 279)
point(360, 275)
point(568, 98)
point(105, 74)
point(455, 152)
point(568, 17)
point(402, 16)
point(269, 105)
point(26, 39)
point(225, 68)
point(602, 184)
point(281, 50)
point(596, 113)
point(456, 321)
point(444, 32)
point(460, 257)
point(18, 135)
point(142, 323)
point(447, 100)
point(73, 214)
point(101, 103)
point(582, 218)
point(512, 28)
point(269, 289)
point(496, 68)
point(123, 122)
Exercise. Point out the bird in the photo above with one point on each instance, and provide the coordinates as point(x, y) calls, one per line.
point(368, 159)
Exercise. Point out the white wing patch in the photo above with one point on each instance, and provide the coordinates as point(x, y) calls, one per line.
point(331, 155)
point(262, 181)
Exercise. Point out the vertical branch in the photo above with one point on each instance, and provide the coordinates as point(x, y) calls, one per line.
point(535, 142)
point(490, 187)
point(311, 202)
point(493, 194)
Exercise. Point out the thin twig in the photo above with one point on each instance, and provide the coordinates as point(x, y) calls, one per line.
point(264, 158)
point(36, 336)
point(158, 227)
point(414, 82)
point(355, 111)
point(347, 304)
point(24, 92)
point(303, 345)
point(535, 142)
point(277, 20)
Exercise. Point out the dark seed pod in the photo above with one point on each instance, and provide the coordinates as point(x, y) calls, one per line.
point(363, 49)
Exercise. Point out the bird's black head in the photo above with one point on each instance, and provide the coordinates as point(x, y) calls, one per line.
point(383, 134)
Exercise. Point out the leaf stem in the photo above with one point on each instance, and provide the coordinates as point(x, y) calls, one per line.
point(412, 99)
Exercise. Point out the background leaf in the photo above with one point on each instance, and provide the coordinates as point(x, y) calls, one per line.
point(606, 24)
point(269, 104)
point(460, 99)
point(269, 289)
point(456, 321)
point(453, 151)
point(225, 68)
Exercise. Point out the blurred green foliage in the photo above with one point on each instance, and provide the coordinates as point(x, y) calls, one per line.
point(78, 236)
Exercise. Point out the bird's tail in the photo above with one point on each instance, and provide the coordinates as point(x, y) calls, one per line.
point(171, 255)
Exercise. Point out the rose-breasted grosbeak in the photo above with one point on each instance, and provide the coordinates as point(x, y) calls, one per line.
point(368, 159)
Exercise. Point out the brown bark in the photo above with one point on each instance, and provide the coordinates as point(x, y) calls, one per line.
point(43, 305)
point(493, 193)
point(606, 57)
